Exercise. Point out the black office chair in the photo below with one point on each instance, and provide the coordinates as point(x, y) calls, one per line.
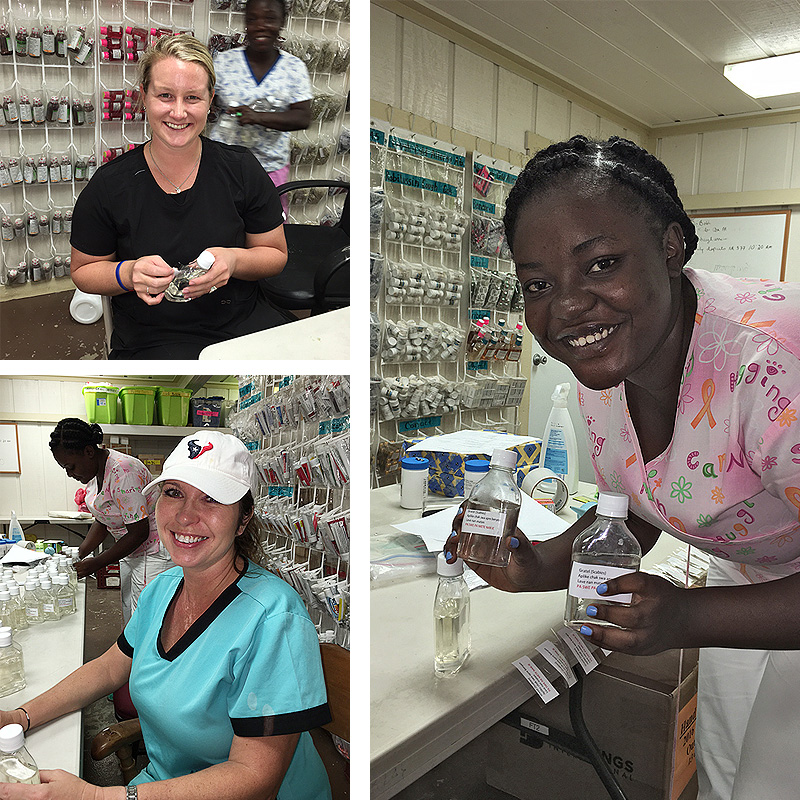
point(317, 273)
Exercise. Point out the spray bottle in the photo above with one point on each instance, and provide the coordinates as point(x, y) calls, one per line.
point(559, 447)
point(15, 529)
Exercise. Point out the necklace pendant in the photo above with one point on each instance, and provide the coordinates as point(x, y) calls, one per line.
point(177, 191)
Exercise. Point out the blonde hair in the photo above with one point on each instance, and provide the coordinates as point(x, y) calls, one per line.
point(184, 47)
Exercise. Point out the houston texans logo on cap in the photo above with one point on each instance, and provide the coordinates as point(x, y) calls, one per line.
point(195, 450)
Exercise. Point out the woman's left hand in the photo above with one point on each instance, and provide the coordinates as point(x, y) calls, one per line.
point(654, 621)
point(56, 785)
point(220, 273)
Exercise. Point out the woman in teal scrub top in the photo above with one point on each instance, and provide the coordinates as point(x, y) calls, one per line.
point(221, 657)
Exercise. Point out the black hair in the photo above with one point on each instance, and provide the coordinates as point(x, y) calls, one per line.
point(618, 161)
point(280, 3)
point(75, 435)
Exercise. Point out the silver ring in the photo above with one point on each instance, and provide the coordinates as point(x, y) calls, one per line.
point(212, 289)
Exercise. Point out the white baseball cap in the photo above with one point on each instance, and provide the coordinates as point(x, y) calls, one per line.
point(213, 462)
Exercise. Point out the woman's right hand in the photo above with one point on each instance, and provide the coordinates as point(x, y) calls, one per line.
point(518, 576)
point(149, 277)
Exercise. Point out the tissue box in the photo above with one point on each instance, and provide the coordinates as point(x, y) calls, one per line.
point(446, 475)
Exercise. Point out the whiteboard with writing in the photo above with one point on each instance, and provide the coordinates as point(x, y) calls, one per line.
point(746, 245)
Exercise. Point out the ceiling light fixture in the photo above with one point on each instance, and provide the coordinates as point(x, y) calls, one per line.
point(766, 77)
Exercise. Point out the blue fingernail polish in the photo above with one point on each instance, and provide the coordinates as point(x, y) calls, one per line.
point(586, 631)
point(460, 511)
point(514, 542)
point(448, 554)
point(452, 534)
point(602, 588)
point(591, 611)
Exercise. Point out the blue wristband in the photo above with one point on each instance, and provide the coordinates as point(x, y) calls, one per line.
point(119, 281)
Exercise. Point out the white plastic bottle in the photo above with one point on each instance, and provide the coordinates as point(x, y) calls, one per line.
point(450, 617)
point(559, 446)
point(15, 529)
point(16, 763)
point(12, 670)
point(491, 513)
point(605, 550)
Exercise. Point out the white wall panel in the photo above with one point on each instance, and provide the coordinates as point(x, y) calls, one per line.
point(607, 128)
point(679, 153)
point(583, 122)
point(385, 78)
point(515, 101)
point(427, 66)
point(552, 115)
point(474, 95)
point(768, 157)
point(721, 154)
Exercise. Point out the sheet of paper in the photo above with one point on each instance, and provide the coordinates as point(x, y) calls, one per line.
point(535, 521)
point(470, 442)
point(22, 555)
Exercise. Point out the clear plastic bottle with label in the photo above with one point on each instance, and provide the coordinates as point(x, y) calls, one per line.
point(16, 763)
point(605, 550)
point(19, 609)
point(65, 595)
point(491, 513)
point(33, 602)
point(450, 617)
point(50, 610)
point(7, 610)
point(12, 669)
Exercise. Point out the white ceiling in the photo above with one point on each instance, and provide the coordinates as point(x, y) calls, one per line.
point(658, 61)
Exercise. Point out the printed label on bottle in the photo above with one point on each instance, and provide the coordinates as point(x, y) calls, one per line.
point(486, 523)
point(585, 578)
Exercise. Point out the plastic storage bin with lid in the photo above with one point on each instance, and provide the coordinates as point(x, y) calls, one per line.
point(172, 405)
point(206, 411)
point(138, 404)
point(101, 402)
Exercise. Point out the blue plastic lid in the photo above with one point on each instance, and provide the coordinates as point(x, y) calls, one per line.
point(476, 465)
point(413, 462)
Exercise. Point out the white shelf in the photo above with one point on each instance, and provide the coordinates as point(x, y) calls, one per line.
point(155, 430)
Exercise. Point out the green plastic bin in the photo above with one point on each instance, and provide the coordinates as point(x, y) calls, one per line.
point(101, 403)
point(172, 405)
point(138, 404)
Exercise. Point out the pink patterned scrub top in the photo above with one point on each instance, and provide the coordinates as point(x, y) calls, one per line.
point(729, 481)
point(121, 501)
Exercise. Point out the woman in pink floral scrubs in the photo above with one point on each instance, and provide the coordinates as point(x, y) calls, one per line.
point(688, 384)
point(113, 494)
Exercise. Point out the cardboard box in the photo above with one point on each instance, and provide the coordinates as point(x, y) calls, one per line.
point(154, 462)
point(642, 718)
point(108, 577)
point(446, 472)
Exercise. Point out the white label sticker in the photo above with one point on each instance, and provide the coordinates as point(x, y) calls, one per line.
point(487, 523)
point(585, 578)
point(552, 653)
point(579, 648)
point(536, 678)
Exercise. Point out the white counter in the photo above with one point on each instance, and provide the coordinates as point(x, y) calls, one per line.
point(323, 336)
point(51, 651)
point(417, 720)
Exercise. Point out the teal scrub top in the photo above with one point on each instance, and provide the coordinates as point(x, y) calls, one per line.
point(249, 666)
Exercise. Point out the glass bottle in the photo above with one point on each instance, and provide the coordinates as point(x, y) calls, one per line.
point(450, 617)
point(33, 602)
point(491, 513)
point(16, 763)
point(5, 40)
point(61, 43)
point(48, 40)
point(50, 608)
point(605, 550)
point(12, 671)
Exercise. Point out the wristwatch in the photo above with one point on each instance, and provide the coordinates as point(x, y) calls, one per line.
point(132, 793)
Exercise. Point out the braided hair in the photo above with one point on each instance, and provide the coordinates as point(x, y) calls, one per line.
point(615, 161)
point(75, 435)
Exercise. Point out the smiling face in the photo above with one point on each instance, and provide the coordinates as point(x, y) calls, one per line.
point(263, 20)
point(80, 465)
point(177, 100)
point(197, 531)
point(601, 284)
